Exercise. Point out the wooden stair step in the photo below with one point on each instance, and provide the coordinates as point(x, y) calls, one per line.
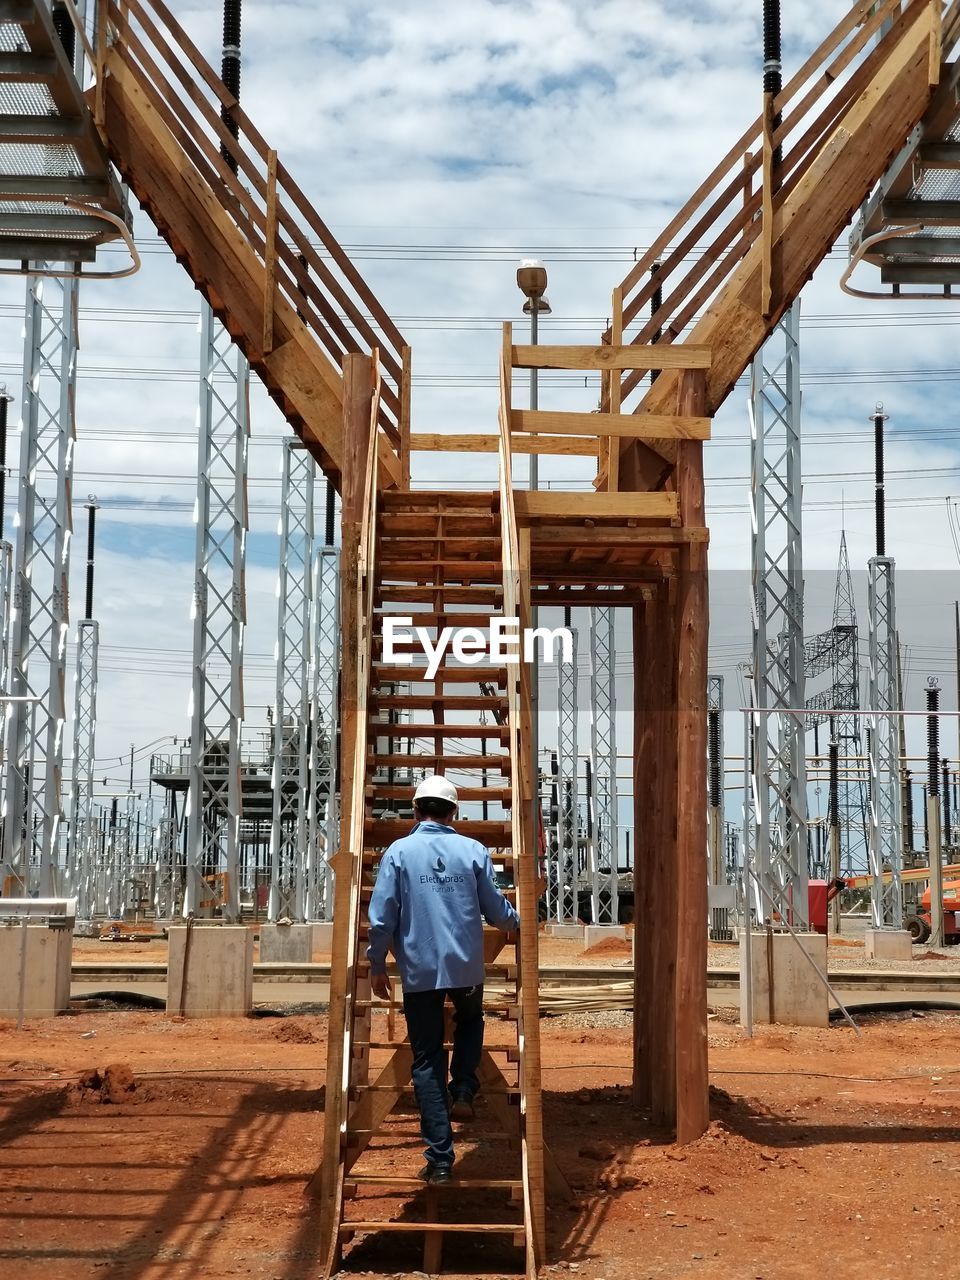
point(383, 729)
point(494, 795)
point(429, 500)
point(427, 701)
point(349, 1228)
point(387, 673)
point(459, 594)
point(382, 832)
point(442, 618)
point(425, 524)
point(438, 548)
point(507, 1049)
point(414, 1184)
point(439, 570)
point(423, 760)
point(511, 1092)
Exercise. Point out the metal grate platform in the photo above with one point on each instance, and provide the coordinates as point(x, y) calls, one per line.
point(50, 151)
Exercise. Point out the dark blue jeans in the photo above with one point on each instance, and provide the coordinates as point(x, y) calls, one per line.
point(424, 1013)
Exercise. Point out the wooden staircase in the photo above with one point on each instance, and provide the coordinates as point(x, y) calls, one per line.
point(439, 559)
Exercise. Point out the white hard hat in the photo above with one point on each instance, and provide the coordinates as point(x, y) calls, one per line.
point(437, 788)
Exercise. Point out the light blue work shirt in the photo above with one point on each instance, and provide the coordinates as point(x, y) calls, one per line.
point(434, 889)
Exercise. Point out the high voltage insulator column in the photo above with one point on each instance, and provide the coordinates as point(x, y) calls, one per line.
point(715, 818)
point(778, 696)
point(324, 813)
point(40, 620)
point(568, 802)
point(603, 763)
point(291, 712)
point(6, 564)
point(886, 850)
point(934, 850)
point(82, 879)
point(215, 801)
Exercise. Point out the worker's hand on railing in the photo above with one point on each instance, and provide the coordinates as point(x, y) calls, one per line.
point(380, 984)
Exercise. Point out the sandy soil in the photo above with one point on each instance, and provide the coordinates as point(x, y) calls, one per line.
point(825, 1155)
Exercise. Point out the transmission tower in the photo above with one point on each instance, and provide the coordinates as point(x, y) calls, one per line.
point(81, 877)
point(568, 806)
point(291, 713)
point(323, 817)
point(778, 788)
point(603, 761)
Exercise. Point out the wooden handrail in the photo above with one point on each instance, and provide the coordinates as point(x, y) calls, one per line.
point(726, 209)
point(268, 207)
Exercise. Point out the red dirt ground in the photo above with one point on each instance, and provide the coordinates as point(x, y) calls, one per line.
point(189, 1158)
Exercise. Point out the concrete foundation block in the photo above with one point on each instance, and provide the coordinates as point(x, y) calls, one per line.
point(573, 932)
point(286, 943)
point(594, 933)
point(887, 944)
point(322, 936)
point(219, 982)
point(44, 959)
point(798, 997)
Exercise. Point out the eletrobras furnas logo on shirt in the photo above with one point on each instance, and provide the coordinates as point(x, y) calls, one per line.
point(440, 879)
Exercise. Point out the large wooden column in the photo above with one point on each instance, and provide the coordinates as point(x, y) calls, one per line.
point(328, 1181)
point(655, 856)
point(692, 628)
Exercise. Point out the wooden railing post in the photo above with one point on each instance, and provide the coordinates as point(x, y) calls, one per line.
point(358, 387)
point(406, 375)
point(270, 254)
point(692, 623)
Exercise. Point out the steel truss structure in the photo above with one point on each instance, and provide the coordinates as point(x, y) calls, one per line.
point(39, 616)
point(323, 818)
point(568, 805)
point(81, 867)
point(778, 787)
point(291, 712)
point(214, 805)
point(603, 765)
point(886, 833)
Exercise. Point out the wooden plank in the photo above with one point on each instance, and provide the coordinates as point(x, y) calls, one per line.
point(627, 426)
point(439, 442)
point(545, 535)
point(678, 355)
point(693, 1105)
point(270, 259)
point(406, 382)
point(461, 1228)
point(595, 506)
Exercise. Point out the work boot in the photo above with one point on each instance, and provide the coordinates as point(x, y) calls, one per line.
point(435, 1173)
point(461, 1106)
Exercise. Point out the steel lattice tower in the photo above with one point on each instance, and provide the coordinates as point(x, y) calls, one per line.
point(779, 764)
point(80, 877)
point(323, 813)
point(568, 807)
point(603, 761)
point(214, 805)
point(886, 832)
point(291, 713)
point(39, 619)
point(852, 805)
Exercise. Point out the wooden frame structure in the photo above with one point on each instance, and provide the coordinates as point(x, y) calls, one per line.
point(340, 372)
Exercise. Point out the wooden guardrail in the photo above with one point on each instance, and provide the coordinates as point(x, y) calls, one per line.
point(301, 260)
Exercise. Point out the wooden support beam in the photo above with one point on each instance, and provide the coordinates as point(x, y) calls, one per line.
point(679, 355)
point(595, 506)
point(693, 1104)
point(327, 1182)
point(438, 442)
point(575, 535)
point(270, 254)
point(646, 750)
point(630, 426)
point(406, 379)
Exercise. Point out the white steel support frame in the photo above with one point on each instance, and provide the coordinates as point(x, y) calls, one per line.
point(6, 607)
point(886, 834)
point(84, 833)
point(40, 616)
point(568, 805)
point(779, 790)
point(291, 712)
point(214, 805)
point(324, 811)
point(603, 760)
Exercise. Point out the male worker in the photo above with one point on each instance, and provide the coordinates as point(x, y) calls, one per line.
point(432, 889)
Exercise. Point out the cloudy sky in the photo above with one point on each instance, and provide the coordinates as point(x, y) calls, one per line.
point(441, 143)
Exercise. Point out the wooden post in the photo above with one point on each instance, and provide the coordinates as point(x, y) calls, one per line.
point(616, 378)
point(662, 1013)
point(405, 385)
point(328, 1180)
point(693, 1107)
point(270, 254)
point(644, 907)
